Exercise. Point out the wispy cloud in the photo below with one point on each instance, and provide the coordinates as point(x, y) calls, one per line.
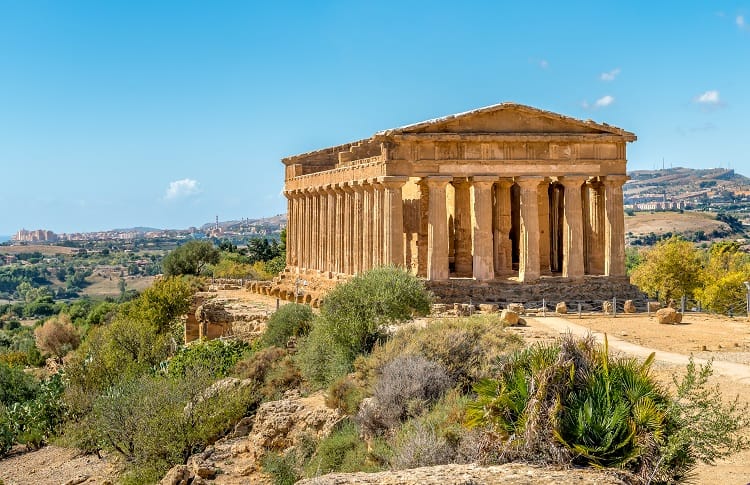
point(544, 64)
point(709, 98)
point(740, 21)
point(602, 102)
point(181, 188)
point(610, 75)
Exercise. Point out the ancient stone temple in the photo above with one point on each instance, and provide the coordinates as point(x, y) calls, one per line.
point(483, 205)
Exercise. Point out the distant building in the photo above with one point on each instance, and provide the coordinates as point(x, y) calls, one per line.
point(39, 235)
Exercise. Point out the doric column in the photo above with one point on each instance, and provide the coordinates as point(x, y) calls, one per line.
point(357, 228)
point(339, 239)
point(502, 244)
point(323, 250)
point(299, 231)
point(348, 219)
point(330, 250)
point(528, 265)
point(594, 228)
point(289, 227)
point(368, 218)
point(544, 226)
point(437, 228)
point(315, 226)
point(614, 247)
point(462, 224)
point(393, 220)
point(572, 228)
point(483, 264)
point(377, 224)
point(307, 228)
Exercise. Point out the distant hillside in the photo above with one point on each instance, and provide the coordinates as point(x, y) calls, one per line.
point(682, 180)
point(273, 222)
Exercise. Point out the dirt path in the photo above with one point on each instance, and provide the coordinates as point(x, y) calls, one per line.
point(735, 371)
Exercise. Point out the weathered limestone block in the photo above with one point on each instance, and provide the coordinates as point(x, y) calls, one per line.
point(488, 307)
point(509, 317)
point(463, 309)
point(439, 308)
point(607, 307)
point(668, 316)
point(178, 475)
point(561, 308)
point(629, 306)
point(653, 306)
point(517, 307)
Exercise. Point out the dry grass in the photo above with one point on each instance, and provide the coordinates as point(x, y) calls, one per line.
point(661, 222)
point(102, 287)
point(38, 248)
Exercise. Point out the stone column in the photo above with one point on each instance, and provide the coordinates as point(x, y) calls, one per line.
point(462, 222)
point(614, 224)
point(528, 265)
point(377, 225)
point(502, 245)
point(357, 228)
point(330, 252)
point(307, 228)
point(393, 220)
point(483, 262)
point(437, 228)
point(315, 226)
point(339, 239)
point(368, 218)
point(544, 227)
point(572, 228)
point(289, 227)
point(347, 224)
point(595, 228)
point(299, 231)
point(323, 250)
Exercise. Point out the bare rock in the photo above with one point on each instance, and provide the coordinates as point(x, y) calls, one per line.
point(177, 475)
point(629, 306)
point(561, 308)
point(668, 316)
point(517, 307)
point(607, 307)
point(654, 306)
point(488, 307)
point(439, 308)
point(76, 480)
point(507, 474)
point(509, 317)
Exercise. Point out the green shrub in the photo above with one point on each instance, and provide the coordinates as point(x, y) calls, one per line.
point(345, 395)
point(290, 320)
point(342, 451)
point(217, 357)
point(465, 347)
point(570, 402)
point(282, 467)
point(273, 370)
point(15, 385)
point(7, 430)
point(352, 320)
point(157, 422)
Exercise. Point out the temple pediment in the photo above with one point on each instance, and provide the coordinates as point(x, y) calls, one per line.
point(510, 118)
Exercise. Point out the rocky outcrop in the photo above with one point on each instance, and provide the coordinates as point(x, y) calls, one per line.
point(276, 426)
point(561, 308)
point(220, 317)
point(509, 317)
point(629, 306)
point(508, 474)
point(668, 316)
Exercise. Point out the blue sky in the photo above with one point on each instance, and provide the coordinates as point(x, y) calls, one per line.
point(167, 113)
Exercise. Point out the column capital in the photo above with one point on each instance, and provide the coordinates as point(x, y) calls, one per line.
point(615, 179)
point(529, 181)
point(437, 180)
point(392, 181)
point(572, 180)
point(483, 179)
point(505, 182)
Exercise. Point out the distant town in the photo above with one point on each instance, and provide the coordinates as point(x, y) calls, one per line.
point(234, 231)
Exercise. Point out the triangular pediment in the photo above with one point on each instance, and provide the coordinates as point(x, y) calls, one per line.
point(511, 118)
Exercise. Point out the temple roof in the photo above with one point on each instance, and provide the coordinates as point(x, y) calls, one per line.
point(509, 118)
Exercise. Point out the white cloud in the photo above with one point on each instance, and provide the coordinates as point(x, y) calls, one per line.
point(611, 75)
point(604, 101)
point(181, 188)
point(710, 98)
point(740, 21)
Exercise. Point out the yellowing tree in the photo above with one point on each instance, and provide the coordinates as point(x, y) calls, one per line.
point(672, 268)
point(726, 271)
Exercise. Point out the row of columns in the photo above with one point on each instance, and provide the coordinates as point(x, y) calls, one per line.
point(354, 226)
point(347, 227)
